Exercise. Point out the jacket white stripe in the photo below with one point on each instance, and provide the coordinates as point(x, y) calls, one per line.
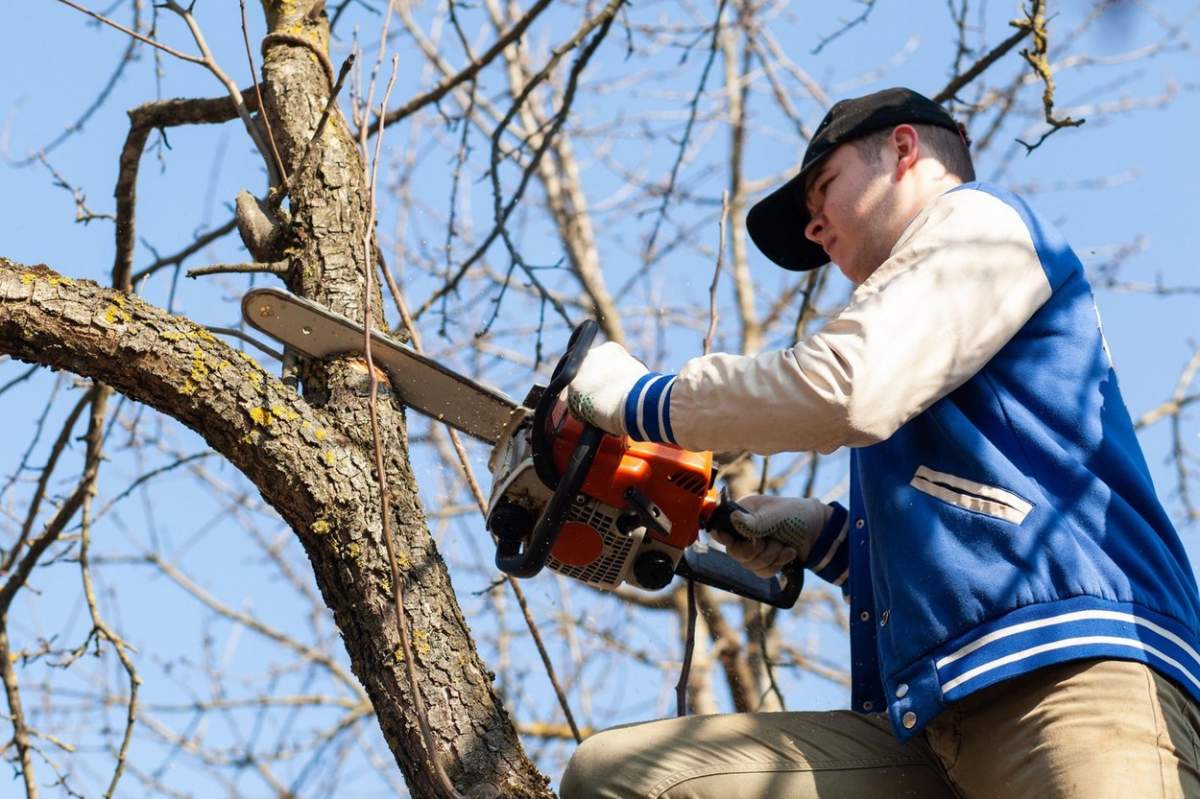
point(1064, 643)
point(642, 435)
point(663, 397)
point(1067, 618)
point(981, 489)
point(833, 548)
point(972, 496)
point(997, 509)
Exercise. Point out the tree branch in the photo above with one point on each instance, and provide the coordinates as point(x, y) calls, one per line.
point(450, 82)
point(142, 120)
point(152, 42)
point(307, 467)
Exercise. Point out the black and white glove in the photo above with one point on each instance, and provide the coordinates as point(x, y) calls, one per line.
point(774, 531)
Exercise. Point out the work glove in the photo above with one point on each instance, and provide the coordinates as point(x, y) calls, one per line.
point(597, 394)
point(773, 531)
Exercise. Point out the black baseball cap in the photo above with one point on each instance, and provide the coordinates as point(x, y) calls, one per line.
point(776, 223)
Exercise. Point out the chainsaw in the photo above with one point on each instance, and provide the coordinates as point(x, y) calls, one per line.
point(601, 509)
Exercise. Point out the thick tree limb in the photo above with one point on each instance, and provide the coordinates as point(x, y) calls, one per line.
point(309, 469)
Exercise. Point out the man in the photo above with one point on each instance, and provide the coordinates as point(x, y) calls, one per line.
point(1023, 617)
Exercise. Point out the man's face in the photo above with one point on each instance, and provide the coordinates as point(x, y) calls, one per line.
point(850, 202)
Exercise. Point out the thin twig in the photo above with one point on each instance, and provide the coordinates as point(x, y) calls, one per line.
point(56, 451)
point(146, 477)
point(209, 62)
point(1179, 400)
point(101, 98)
point(21, 378)
point(50, 533)
point(1036, 59)
point(689, 647)
point(370, 95)
point(860, 19)
point(156, 44)
point(313, 654)
point(693, 112)
point(712, 288)
point(262, 114)
point(94, 439)
point(766, 618)
point(450, 82)
point(464, 462)
point(422, 711)
point(602, 20)
point(196, 246)
point(959, 81)
point(279, 268)
point(16, 713)
point(82, 212)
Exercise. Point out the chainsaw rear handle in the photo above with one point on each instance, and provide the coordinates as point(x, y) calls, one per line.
point(718, 570)
point(510, 559)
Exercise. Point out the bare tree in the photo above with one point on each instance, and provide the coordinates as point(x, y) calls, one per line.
point(516, 209)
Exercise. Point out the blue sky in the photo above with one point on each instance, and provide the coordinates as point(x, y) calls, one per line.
point(1125, 179)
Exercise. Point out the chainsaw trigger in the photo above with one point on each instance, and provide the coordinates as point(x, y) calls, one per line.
point(651, 515)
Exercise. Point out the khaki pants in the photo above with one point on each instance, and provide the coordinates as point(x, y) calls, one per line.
point(1093, 729)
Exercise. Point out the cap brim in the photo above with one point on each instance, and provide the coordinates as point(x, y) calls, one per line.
point(776, 225)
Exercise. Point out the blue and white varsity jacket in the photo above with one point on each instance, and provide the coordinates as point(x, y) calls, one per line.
point(1001, 515)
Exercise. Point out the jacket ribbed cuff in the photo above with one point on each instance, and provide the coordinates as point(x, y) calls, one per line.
point(648, 409)
point(829, 557)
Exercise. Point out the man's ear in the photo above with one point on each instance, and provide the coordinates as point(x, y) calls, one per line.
point(906, 146)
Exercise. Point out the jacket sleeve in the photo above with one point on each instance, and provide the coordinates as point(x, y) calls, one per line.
point(962, 280)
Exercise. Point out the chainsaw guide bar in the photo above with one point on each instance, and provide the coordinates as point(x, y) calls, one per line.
point(419, 382)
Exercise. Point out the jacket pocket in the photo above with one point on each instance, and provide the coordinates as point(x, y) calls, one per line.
point(972, 496)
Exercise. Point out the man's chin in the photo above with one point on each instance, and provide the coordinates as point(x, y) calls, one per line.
point(856, 273)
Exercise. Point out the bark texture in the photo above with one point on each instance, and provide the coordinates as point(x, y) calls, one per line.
point(326, 234)
point(307, 463)
point(311, 457)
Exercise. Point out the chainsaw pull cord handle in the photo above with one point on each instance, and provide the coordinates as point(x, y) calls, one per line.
point(719, 570)
point(565, 486)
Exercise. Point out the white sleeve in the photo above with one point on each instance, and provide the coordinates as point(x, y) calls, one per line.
point(962, 280)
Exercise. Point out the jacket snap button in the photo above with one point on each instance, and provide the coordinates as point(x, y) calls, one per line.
point(859, 524)
point(867, 705)
point(909, 720)
point(902, 690)
point(864, 616)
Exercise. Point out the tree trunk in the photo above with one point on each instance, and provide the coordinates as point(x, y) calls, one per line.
point(312, 457)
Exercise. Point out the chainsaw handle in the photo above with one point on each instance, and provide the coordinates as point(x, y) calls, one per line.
point(572, 358)
point(509, 558)
point(564, 372)
point(719, 570)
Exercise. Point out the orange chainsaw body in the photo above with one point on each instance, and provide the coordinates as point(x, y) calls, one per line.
point(677, 480)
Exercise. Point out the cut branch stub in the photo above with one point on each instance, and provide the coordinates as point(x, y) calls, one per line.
point(259, 227)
